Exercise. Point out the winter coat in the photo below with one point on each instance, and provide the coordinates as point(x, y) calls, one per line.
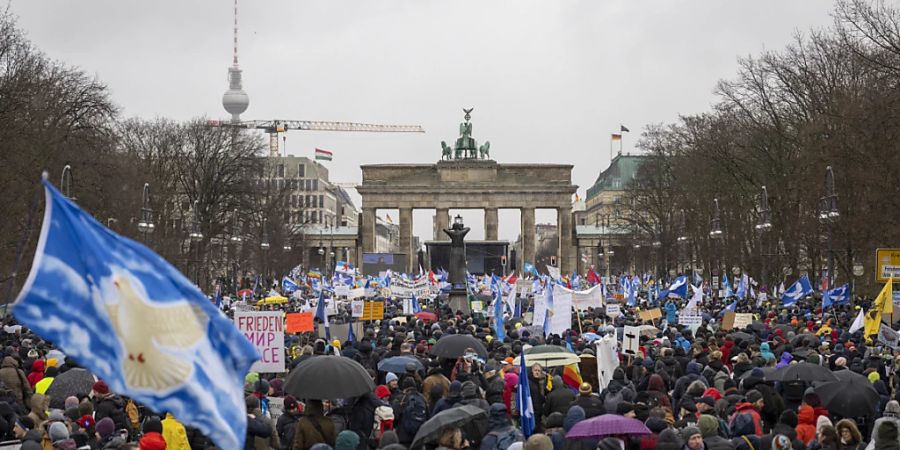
point(591, 404)
point(262, 440)
point(747, 408)
point(39, 404)
point(657, 388)
point(14, 379)
point(37, 372)
point(174, 434)
point(307, 433)
point(494, 389)
point(435, 379)
point(498, 427)
point(886, 436)
point(285, 427)
point(876, 425)
point(806, 424)
point(717, 443)
point(510, 381)
point(559, 399)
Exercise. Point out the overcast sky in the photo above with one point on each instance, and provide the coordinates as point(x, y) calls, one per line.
point(549, 80)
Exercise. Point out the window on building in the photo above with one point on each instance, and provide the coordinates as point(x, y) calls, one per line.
point(301, 170)
point(320, 215)
point(308, 185)
point(321, 201)
point(279, 171)
point(315, 185)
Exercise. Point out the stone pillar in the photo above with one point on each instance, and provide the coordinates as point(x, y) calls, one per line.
point(527, 234)
point(491, 222)
point(367, 231)
point(566, 250)
point(406, 237)
point(442, 222)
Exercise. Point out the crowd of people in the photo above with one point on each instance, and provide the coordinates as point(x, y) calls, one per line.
point(708, 388)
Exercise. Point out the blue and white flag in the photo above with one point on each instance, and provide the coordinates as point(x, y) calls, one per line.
point(631, 288)
point(727, 286)
point(322, 315)
point(529, 268)
point(698, 280)
point(416, 306)
point(523, 400)
point(351, 337)
point(132, 319)
point(742, 288)
point(798, 290)
point(218, 295)
point(499, 322)
point(837, 296)
point(548, 296)
point(679, 287)
point(344, 267)
point(288, 286)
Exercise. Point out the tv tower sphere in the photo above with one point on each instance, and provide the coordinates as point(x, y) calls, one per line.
point(235, 100)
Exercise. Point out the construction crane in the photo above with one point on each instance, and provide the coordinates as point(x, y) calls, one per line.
point(235, 100)
point(275, 127)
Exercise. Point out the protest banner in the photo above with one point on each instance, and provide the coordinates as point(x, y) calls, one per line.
point(650, 314)
point(341, 291)
point(356, 308)
point(298, 322)
point(372, 310)
point(265, 330)
point(613, 310)
point(561, 320)
point(728, 320)
point(631, 340)
point(888, 336)
point(741, 320)
point(692, 321)
point(477, 306)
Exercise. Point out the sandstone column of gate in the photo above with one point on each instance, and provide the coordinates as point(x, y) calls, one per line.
point(566, 251)
point(491, 222)
point(528, 231)
point(442, 219)
point(406, 237)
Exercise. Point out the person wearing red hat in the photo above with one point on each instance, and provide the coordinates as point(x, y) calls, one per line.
point(287, 422)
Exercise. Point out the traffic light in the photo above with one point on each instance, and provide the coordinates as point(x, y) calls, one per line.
point(553, 261)
point(503, 260)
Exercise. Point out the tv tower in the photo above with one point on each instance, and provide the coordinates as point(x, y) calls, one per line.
point(235, 100)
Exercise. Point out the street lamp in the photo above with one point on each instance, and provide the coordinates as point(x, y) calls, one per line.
point(145, 225)
point(828, 215)
point(682, 237)
point(236, 240)
point(65, 182)
point(762, 226)
point(196, 236)
point(264, 246)
point(715, 225)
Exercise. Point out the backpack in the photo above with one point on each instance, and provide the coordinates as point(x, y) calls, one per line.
point(413, 413)
point(506, 438)
point(612, 399)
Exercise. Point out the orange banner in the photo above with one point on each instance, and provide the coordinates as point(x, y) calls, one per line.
point(298, 322)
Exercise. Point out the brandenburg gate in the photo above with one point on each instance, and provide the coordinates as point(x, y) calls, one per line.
point(466, 178)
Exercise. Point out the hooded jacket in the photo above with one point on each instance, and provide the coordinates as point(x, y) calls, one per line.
point(498, 427)
point(306, 435)
point(657, 388)
point(806, 424)
point(37, 372)
point(559, 399)
point(14, 379)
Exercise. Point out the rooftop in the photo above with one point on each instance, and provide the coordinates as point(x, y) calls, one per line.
point(621, 170)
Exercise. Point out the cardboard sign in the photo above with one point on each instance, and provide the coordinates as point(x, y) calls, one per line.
point(613, 310)
point(372, 311)
point(298, 322)
point(728, 320)
point(888, 336)
point(631, 340)
point(650, 314)
point(477, 306)
point(265, 330)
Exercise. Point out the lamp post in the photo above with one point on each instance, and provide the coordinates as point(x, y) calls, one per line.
point(828, 215)
point(458, 291)
point(715, 234)
point(682, 238)
point(657, 245)
point(145, 224)
point(264, 245)
point(236, 240)
point(762, 226)
point(196, 236)
point(65, 182)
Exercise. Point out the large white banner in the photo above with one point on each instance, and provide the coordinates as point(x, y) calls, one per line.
point(265, 330)
point(540, 310)
point(591, 298)
point(562, 311)
point(607, 359)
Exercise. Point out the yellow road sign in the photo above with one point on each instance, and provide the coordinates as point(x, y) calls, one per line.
point(887, 264)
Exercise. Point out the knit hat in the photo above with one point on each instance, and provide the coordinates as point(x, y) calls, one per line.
point(656, 425)
point(152, 425)
point(754, 396)
point(261, 386)
point(789, 418)
point(822, 422)
point(892, 409)
point(100, 387)
point(707, 401)
point(58, 432)
point(840, 362)
point(71, 402)
point(382, 391)
point(624, 408)
point(538, 442)
point(390, 377)
point(290, 403)
point(708, 425)
point(346, 440)
point(873, 377)
point(781, 442)
point(105, 427)
point(687, 432)
point(585, 389)
point(56, 416)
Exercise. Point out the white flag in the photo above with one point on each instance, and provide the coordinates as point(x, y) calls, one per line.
point(859, 322)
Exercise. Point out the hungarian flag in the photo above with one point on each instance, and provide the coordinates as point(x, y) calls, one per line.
point(323, 155)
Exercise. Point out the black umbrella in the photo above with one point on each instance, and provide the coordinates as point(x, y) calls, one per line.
point(455, 345)
point(854, 397)
point(397, 364)
point(76, 382)
point(803, 372)
point(742, 336)
point(844, 375)
point(328, 378)
point(456, 417)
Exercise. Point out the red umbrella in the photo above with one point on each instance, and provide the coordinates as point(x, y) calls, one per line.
point(427, 316)
point(245, 292)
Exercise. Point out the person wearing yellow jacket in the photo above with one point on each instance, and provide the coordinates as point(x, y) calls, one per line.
point(174, 434)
